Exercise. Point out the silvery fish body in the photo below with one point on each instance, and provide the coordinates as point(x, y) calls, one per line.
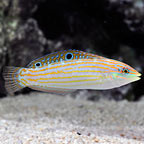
point(70, 70)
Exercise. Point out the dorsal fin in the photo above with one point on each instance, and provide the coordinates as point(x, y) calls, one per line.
point(63, 56)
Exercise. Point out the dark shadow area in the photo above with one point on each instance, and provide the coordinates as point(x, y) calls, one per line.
point(57, 18)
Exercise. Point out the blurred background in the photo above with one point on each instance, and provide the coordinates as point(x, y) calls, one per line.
point(111, 28)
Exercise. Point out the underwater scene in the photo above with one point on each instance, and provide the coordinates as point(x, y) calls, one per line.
point(72, 71)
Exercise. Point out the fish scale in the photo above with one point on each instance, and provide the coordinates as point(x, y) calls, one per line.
point(69, 70)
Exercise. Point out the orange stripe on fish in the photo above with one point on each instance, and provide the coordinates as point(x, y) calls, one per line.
point(30, 79)
point(71, 64)
point(58, 72)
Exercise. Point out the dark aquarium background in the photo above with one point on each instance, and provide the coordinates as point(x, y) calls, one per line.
point(111, 28)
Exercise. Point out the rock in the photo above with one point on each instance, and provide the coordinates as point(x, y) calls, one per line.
point(132, 11)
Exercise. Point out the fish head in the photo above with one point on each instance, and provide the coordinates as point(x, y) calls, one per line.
point(123, 74)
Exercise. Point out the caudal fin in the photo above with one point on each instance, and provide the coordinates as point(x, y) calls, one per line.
point(10, 75)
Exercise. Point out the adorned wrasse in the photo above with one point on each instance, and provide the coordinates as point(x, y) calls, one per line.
point(69, 70)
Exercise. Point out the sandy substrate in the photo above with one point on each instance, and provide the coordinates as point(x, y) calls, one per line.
point(41, 118)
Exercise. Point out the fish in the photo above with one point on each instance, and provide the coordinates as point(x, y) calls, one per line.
point(69, 70)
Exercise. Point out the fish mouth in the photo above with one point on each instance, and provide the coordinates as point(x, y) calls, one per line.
point(134, 77)
point(138, 74)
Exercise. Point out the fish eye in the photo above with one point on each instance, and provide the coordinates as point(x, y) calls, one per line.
point(38, 64)
point(125, 70)
point(69, 56)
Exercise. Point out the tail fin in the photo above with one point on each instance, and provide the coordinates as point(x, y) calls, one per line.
point(10, 75)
